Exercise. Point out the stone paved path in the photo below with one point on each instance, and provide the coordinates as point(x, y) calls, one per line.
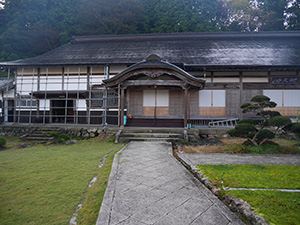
point(147, 185)
point(242, 159)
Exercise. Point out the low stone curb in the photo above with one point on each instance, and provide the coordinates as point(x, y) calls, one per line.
point(236, 204)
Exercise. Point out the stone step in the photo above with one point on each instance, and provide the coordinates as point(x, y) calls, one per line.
point(149, 130)
point(152, 135)
point(128, 139)
point(38, 138)
point(39, 134)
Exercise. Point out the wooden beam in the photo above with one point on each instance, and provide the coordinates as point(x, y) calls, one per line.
point(129, 83)
point(241, 93)
point(38, 78)
point(185, 106)
point(122, 107)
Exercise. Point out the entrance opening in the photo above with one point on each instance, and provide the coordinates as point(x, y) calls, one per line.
point(156, 103)
point(62, 111)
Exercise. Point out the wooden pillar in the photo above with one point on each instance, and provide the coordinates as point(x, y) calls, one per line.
point(88, 115)
point(63, 78)
point(185, 105)
point(241, 92)
point(122, 107)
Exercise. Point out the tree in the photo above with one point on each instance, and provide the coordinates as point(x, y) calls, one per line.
point(164, 16)
point(279, 122)
point(293, 16)
point(111, 17)
point(254, 129)
point(273, 14)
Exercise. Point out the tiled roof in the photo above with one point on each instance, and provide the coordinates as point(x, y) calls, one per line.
point(190, 49)
point(6, 84)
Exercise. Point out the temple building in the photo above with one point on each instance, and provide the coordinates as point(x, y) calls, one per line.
point(153, 80)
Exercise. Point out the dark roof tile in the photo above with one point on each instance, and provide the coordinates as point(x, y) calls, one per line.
point(202, 49)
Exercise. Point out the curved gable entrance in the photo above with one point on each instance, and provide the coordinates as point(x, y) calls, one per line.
point(154, 93)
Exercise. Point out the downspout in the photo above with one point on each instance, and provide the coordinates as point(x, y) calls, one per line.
point(105, 102)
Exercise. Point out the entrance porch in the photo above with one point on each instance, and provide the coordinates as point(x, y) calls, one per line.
point(154, 93)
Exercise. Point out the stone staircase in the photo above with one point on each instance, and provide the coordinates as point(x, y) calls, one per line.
point(40, 134)
point(169, 135)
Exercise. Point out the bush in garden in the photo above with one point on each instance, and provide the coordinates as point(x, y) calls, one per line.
point(58, 137)
point(242, 130)
point(264, 135)
point(254, 129)
point(250, 121)
point(279, 122)
point(295, 128)
point(2, 142)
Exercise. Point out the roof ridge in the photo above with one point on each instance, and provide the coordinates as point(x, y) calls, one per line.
point(166, 36)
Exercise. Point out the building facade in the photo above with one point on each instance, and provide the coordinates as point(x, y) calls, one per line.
point(172, 80)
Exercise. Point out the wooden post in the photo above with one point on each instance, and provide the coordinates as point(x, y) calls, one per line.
point(189, 109)
point(63, 78)
point(185, 107)
point(241, 92)
point(88, 116)
point(122, 107)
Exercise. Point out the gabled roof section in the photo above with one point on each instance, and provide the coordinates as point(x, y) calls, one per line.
point(6, 84)
point(154, 67)
point(190, 49)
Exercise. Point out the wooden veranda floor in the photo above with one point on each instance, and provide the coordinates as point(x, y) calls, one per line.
point(147, 122)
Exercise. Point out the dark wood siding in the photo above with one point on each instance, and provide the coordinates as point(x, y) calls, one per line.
point(175, 103)
point(135, 104)
point(194, 103)
point(233, 102)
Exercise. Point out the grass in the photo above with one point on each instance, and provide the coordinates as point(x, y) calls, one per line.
point(254, 176)
point(278, 208)
point(94, 196)
point(44, 184)
point(14, 142)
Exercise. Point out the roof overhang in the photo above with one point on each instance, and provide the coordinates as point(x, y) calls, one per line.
point(153, 68)
point(60, 94)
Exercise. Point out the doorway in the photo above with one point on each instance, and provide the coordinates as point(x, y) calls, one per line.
point(155, 103)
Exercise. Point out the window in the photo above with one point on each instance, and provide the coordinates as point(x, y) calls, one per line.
point(291, 98)
point(97, 98)
point(212, 98)
point(275, 96)
point(284, 98)
point(28, 103)
point(162, 98)
point(112, 98)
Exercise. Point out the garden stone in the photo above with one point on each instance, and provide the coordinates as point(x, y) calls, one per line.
point(69, 142)
point(216, 191)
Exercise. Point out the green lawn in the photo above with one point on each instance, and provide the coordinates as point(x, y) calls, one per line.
point(253, 176)
point(44, 184)
point(278, 208)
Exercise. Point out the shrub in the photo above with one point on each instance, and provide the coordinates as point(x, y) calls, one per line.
point(58, 137)
point(64, 137)
point(295, 128)
point(232, 133)
point(279, 121)
point(244, 129)
point(2, 142)
point(265, 134)
point(250, 121)
point(54, 134)
point(235, 149)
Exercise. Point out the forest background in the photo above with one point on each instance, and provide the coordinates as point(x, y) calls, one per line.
point(32, 27)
